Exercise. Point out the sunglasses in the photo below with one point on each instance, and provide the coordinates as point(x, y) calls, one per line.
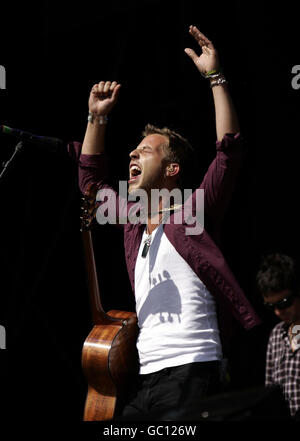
point(282, 304)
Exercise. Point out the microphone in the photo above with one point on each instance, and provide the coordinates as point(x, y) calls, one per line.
point(51, 144)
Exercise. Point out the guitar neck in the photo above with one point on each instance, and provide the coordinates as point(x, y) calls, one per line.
point(98, 314)
point(88, 206)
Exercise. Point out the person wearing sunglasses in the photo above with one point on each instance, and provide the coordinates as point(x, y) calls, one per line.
point(278, 282)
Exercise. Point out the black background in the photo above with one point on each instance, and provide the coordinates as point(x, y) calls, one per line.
point(53, 52)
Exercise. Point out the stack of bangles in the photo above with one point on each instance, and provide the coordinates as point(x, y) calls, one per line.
point(216, 77)
point(100, 119)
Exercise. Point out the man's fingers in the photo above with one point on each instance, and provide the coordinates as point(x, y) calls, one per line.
point(112, 86)
point(199, 37)
point(206, 50)
point(101, 86)
point(116, 91)
point(194, 31)
point(106, 86)
point(106, 89)
point(192, 54)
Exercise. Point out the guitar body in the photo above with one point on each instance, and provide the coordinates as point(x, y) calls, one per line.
point(109, 361)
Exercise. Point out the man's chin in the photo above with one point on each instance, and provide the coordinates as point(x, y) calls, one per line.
point(132, 187)
point(135, 184)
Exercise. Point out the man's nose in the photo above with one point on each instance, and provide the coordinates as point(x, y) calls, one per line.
point(277, 312)
point(134, 154)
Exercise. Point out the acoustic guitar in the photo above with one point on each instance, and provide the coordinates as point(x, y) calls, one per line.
point(109, 354)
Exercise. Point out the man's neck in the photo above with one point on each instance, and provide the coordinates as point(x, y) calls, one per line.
point(156, 211)
point(154, 220)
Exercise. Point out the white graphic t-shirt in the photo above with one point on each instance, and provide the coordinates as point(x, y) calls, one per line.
point(176, 313)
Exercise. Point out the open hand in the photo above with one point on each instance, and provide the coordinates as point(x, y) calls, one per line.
point(103, 97)
point(209, 59)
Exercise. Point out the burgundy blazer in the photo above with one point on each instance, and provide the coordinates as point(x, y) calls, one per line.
point(200, 251)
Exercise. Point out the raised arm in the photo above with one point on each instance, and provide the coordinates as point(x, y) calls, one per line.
point(103, 98)
point(208, 64)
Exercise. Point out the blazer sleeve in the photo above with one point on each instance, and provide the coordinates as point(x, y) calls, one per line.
point(221, 176)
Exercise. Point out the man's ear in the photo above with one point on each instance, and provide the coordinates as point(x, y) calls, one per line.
point(172, 169)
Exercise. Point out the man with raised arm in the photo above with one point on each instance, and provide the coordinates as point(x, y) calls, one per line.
point(186, 295)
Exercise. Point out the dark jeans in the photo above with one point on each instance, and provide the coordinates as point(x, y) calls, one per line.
point(172, 393)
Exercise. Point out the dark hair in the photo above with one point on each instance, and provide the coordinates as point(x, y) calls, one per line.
point(178, 149)
point(277, 272)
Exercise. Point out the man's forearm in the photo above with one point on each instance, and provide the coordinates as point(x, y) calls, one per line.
point(226, 117)
point(93, 142)
point(208, 65)
point(102, 99)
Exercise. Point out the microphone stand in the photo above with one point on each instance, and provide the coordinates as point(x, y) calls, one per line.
point(19, 147)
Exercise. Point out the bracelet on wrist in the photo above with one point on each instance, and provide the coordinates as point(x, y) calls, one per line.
point(212, 73)
point(102, 119)
point(217, 81)
point(216, 77)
